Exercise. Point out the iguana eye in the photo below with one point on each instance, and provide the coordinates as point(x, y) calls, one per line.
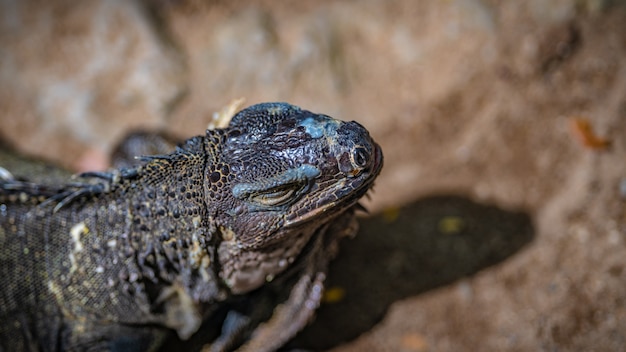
point(274, 197)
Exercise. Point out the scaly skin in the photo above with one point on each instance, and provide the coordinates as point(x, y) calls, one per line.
point(114, 261)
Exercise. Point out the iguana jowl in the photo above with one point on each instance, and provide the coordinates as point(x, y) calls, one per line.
point(111, 261)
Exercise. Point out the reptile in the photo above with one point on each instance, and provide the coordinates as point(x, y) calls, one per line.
point(214, 231)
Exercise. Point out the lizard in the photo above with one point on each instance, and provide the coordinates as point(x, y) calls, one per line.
point(112, 261)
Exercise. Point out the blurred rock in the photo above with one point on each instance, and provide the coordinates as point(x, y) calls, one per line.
point(76, 74)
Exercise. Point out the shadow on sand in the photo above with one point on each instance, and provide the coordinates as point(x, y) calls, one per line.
point(422, 246)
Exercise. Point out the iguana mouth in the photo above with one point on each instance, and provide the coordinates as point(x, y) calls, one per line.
point(345, 195)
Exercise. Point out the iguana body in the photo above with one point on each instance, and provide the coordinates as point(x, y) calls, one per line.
point(112, 262)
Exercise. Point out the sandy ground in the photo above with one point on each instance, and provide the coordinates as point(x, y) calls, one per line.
point(499, 221)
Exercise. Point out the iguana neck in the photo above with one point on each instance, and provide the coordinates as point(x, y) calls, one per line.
point(169, 235)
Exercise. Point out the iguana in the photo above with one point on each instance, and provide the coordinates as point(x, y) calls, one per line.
point(114, 260)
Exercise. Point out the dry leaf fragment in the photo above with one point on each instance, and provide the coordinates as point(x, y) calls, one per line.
point(581, 128)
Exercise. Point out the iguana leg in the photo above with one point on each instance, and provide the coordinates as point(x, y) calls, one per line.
point(296, 312)
point(299, 309)
point(290, 317)
point(287, 318)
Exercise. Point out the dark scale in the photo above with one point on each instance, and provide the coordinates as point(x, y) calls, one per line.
point(215, 176)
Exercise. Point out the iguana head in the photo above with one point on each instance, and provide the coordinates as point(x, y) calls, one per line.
point(281, 172)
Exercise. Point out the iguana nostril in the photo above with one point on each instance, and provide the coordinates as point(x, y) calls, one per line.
point(353, 162)
point(360, 157)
